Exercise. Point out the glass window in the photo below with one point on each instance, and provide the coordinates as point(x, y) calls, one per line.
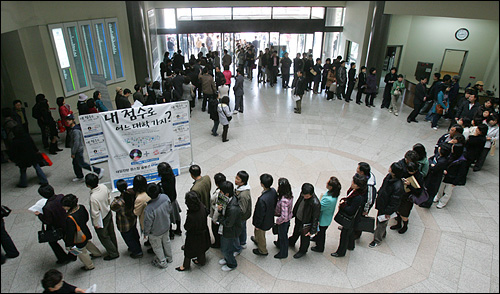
point(318, 36)
point(167, 17)
point(331, 45)
point(291, 12)
point(213, 13)
point(334, 16)
point(103, 50)
point(77, 56)
point(115, 49)
point(318, 13)
point(88, 44)
point(62, 54)
point(183, 14)
point(252, 12)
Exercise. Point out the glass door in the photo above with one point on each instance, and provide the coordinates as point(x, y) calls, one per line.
point(228, 44)
point(184, 45)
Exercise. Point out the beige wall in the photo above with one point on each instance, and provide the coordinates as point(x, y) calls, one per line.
point(27, 22)
point(426, 38)
point(457, 9)
point(357, 25)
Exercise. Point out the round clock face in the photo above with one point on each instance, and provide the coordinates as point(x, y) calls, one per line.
point(462, 34)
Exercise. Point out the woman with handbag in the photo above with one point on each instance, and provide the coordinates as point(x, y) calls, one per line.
point(64, 111)
point(328, 203)
point(396, 92)
point(331, 86)
point(350, 208)
point(77, 236)
point(440, 106)
point(406, 203)
point(284, 212)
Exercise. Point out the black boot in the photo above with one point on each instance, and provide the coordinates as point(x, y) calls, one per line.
point(397, 226)
point(52, 148)
point(404, 228)
point(57, 148)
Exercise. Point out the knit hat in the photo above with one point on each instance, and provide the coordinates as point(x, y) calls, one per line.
point(82, 97)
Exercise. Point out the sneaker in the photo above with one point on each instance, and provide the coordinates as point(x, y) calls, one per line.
point(244, 246)
point(227, 269)
point(390, 110)
point(435, 128)
point(396, 114)
point(77, 179)
point(235, 112)
point(222, 262)
point(101, 173)
point(373, 244)
point(440, 206)
point(236, 253)
point(435, 199)
point(162, 264)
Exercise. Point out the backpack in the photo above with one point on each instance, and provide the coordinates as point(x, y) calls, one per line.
point(79, 236)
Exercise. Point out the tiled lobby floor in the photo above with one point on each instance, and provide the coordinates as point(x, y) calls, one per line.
point(454, 249)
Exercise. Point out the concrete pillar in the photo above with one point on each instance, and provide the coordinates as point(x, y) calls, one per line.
point(136, 24)
point(378, 38)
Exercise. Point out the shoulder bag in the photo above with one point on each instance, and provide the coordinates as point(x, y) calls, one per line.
point(275, 229)
point(51, 234)
point(423, 197)
point(333, 87)
point(365, 224)
point(345, 220)
point(79, 236)
point(228, 118)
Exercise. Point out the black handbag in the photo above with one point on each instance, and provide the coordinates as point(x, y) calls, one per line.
point(275, 229)
point(365, 224)
point(423, 197)
point(344, 220)
point(51, 234)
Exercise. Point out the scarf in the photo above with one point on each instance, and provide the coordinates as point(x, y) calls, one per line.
point(350, 194)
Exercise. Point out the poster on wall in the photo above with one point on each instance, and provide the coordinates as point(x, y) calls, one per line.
point(140, 138)
point(93, 137)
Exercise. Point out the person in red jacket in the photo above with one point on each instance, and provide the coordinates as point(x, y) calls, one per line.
point(64, 111)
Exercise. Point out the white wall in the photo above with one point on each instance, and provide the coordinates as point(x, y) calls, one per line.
point(491, 80)
point(357, 24)
point(458, 9)
point(426, 39)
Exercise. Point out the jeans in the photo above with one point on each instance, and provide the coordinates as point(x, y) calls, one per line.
point(132, 239)
point(238, 105)
point(298, 232)
point(215, 127)
point(435, 119)
point(79, 163)
point(23, 181)
point(161, 247)
point(243, 236)
point(228, 247)
point(7, 243)
point(283, 239)
point(107, 235)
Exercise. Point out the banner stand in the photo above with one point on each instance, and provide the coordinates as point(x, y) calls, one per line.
point(191, 145)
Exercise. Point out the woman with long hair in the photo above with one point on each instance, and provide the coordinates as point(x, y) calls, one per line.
point(284, 212)
point(167, 185)
point(328, 203)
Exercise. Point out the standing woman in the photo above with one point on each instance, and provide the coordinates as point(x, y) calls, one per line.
point(224, 116)
point(326, 70)
point(141, 200)
point(97, 98)
point(167, 185)
point(328, 204)
point(284, 212)
point(78, 216)
point(371, 88)
point(331, 78)
point(423, 162)
point(361, 84)
point(436, 171)
point(352, 205)
point(50, 126)
point(442, 102)
point(197, 235)
point(64, 111)
point(406, 205)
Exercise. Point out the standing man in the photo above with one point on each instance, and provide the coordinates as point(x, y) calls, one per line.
point(238, 92)
point(230, 220)
point(298, 64)
point(263, 215)
point(20, 115)
point(432, 93)
point(77, 151)
point(285, 70)
point(419, 100)
point(178, 61)
point(273, 63)
point(37, 114)
point(157, 224)
point(341, 81)
point(201, 185)
point(390, 78)
point(242, 192)
point(102, 218)
point(265, 65)
point(352, 80)
point(208, 88)
point(300, 88)
point(308, 65)
point(453, 95)
point(306, 212)
point(250, 62)
point(226, 59)
point(361, 84)
point(388, 200)
point(256, 44)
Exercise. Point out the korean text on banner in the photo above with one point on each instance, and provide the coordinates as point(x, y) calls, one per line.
point(93, 137)
point(140, 138)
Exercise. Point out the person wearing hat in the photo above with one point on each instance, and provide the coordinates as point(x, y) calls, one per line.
point(82, 104)
point(77, 151)
point(121, 100)
point(479, 87)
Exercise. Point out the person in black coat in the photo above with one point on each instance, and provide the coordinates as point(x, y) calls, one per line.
point(50, 126)
point(326, 68)
point(19, 114)
point(388, 200)
point(24, 154)
point(455, 174)
point(437, 165)
point(306, 212)
point(341, 80)
point(352, 206)
point(298, 64)
point(470, 109)
point(308, 65)
point(475, 144)
point(286, 62)
point(300, 88)
point(419, 100)
point(263, 215)
point(352, 80)
point(432, 93)
point(177, 82)
point(390, 78)
point(361, 84)
point(167, 185)
point(54, 216)
point(37, 114)
point(371, 87)
point(197, 236)
point(406, 205)
point(178, 61)
point(317, 78)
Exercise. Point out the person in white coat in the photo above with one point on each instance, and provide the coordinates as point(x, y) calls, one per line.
point(224, 116)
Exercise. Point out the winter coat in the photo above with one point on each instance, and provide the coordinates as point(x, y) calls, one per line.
point(300, 86)
point(371, 84)
point(464, 111)
point(23, 151)
point(341, 75)
point(81, 217)
point(389, 195)
point(330, 79)
point(263, 215)
point(362, 81)
point(435, 174)
point(456, 172)
point(245, 201)
point(328, 204)
point(238, 86)
point(53, 212)
point(202, 187)
point(311, 212)
point(440, 101)
point(224, 113)
point(197, 235)
point(231, 219)
point(157, 216)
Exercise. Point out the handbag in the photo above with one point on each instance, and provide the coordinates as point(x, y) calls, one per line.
point(50, 235)
point(397, 92)
point(333, 87)
point(344, 220)
point(423, 197)
point(228, 118)
point(365, 224)
point(275, 229)
point(439, 108)
point(79, 236)
point(40, 159)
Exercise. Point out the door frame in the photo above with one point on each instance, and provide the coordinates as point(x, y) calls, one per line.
point(463, 60)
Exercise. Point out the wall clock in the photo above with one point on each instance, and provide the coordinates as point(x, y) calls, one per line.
point(462, 34)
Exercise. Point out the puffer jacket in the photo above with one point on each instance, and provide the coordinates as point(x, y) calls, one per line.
point(456, 172)
point(312, 210)
point(389, 195)
point(231, 219)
